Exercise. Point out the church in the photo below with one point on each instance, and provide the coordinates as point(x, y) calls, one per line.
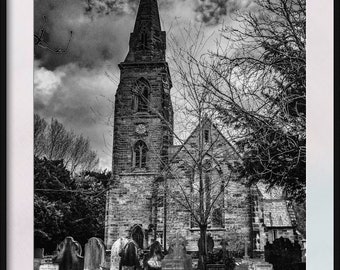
point(159, 188)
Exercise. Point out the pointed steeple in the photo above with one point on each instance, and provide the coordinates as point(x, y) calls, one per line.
point(147, 41)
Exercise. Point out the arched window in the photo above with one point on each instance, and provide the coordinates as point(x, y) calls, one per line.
point(142, 91)
point(144, 41)
point(137, 235)
point(140, 150)
point(217, 218)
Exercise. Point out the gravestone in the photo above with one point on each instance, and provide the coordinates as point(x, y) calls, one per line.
point(38, 253)
point(177, 259)
point(49, 266)
point(38, 256)
point(116, 248)
point(69, 255)
point(94, 256)
point(46, 263)
point(262, 266)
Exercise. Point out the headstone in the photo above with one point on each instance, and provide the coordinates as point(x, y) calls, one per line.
point(49, 266)
point(38, 256)
point(69, 255)
point(263, 266)
point(94, 255)
point(38, 253)
point(36, 263)
point(177, 259)
point(117, 246)
point(46, 263)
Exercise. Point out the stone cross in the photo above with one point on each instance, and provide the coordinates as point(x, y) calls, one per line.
point(177, 252)
point(246, 249)
point(177, 259)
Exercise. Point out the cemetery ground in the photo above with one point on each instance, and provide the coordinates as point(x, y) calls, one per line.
point(125, 254)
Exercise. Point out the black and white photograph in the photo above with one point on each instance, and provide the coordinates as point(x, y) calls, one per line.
point(169, 135)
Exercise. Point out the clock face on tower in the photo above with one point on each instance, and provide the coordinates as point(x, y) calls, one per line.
point(141, 129)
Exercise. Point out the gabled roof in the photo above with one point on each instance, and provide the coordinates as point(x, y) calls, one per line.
point(205, 121)
point(275, 214)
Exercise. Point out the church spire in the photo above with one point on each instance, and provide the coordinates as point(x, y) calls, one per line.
point(147, 41)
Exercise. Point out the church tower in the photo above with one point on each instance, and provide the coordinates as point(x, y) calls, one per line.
point(143, 120)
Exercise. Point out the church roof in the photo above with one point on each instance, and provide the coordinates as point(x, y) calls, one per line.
point(148, 12)
point(206, 122)
point(276, 211)
point(147, 41)
point(275, 214)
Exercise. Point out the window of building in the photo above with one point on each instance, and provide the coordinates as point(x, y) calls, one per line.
point(141, 99)
point(217, 218)
point(144, 41)
point(140, 151)
point(137, 235)
point(212, 197)
point(206, 136)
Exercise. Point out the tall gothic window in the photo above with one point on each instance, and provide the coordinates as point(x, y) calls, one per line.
point(144, 41)
point(212, 193)
point(140, 150)
point(137, 235)
point(217, 218)
point(206, 135)
point(141, 98)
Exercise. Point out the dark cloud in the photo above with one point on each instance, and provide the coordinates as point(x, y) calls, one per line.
point(212, 11)
point(79, 98)
point(96, 38)
point(73, 87)
point(101, 30)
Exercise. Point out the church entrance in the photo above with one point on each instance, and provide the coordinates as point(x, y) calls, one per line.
point(137, 235)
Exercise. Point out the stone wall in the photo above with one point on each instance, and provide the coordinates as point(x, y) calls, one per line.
point(129, 203)
point(235, 202)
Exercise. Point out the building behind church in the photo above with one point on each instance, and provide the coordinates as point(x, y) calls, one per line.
point(149, 170)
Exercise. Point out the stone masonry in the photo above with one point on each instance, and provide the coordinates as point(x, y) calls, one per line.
point(149, 171)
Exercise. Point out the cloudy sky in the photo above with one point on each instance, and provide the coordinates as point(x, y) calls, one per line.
point(49, 70)
point(78, 87)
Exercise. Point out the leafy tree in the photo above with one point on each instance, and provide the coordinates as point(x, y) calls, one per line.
point(66, 206)
point(261, 82)
point(255, 80)
point(257, 75)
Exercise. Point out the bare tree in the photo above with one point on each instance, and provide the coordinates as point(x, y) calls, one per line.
point(257, 74)
point(59, 141)
point(261, 83)
point(39, 40)
point(39, 135)
point(54, 142)
point(254, 82)
point(196, 177)
point(199, 172)
point(81, 156)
